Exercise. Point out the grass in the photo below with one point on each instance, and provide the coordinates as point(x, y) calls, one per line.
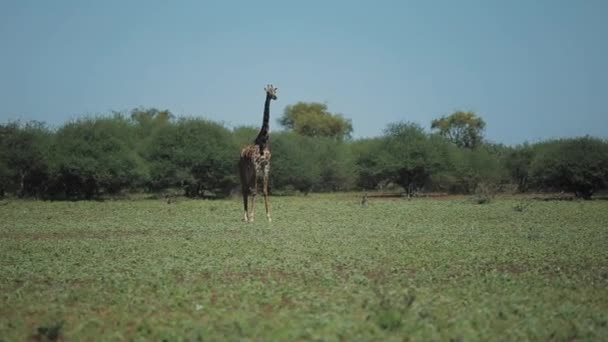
point(325, 268)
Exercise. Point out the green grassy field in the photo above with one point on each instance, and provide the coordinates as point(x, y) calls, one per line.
point(325, 268)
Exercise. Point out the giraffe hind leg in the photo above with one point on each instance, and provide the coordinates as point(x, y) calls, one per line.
point(245, 204)
point(253, 192)
point(245, 174)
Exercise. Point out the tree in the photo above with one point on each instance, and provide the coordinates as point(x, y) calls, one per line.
point(91, 156)
point(245, 135)
point(470, 169)
point(314, 120)
point(578, 165)
point(310, 164)
point(413, 156)
point(336, 164)
point(197, 155)
point(23, 157)
point(464, 129)
point(517, 163)
point(150, 120)
point(371, 161)
point(294, 163)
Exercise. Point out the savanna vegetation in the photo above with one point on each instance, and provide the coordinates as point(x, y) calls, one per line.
point(331, 266)
point(149, 150)
point(326, 268)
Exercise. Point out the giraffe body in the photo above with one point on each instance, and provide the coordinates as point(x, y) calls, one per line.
point(254, 164)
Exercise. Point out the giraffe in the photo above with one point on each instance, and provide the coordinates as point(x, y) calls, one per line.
point(255, 162)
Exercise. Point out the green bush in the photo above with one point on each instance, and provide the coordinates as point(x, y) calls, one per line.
point(471, 167)
point(23, 158)
point(517, 164)
point(410, 156)
point(294, 162)
point(92, 156)
point(336, 164)
point(197, 155)
point(578, 165)
point(151, 149)
point(370, 163)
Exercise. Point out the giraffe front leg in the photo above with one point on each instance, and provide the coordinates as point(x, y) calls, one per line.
point(267, 198)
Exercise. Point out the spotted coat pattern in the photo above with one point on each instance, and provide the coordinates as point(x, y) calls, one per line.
point(259, 160)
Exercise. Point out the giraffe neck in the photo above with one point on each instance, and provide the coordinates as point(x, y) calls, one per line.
point(262, 138)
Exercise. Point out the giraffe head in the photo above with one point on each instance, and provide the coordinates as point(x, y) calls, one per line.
point(271, 91)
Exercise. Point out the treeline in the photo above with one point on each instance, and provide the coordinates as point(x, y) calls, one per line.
point(149, 150)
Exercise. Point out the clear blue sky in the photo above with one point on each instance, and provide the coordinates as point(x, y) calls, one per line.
point(532, 69)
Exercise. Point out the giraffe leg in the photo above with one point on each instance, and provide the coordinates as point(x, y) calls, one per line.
point(254, 192)
point(267, 198)
point(245, 181)
point(245, 200)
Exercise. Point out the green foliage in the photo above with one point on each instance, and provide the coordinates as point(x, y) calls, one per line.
point(428, 270)
point(23, 158)
point(522, 206)
point(391, 308)
point(410, 157)
point(148, 120)
point(413, 157)
point(147, 123)
point(95, 155)
point(311, 164)
point(470, 168)
point(464, 129)
point(51, 332)
point(578, 165)
point(149, 149)
point(314, 120)
point(294, 162)
point(337, 165)
point(245, 135)
point(484, 193)
point(371, 159)
point(517, 163)
point(195, 154)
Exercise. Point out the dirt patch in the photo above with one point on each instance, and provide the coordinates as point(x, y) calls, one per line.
point(260, 275)
point(380, 275)
point(342, 272)
point(47, 282)
point(443, 196)
point(285, 303)
point(512, 268)
point(278, 276)
point(93, 234)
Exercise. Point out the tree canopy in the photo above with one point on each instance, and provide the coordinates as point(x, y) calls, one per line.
point(314, 120)
point(150, 150)
point(465, 129)
point(412, 156)
point(578, 165)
